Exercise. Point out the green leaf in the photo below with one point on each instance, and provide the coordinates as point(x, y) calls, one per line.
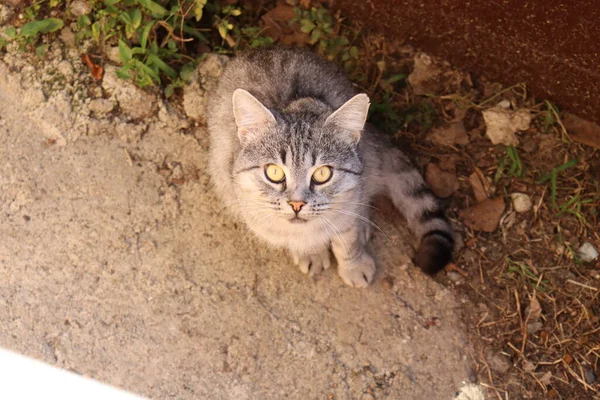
point(169, 90)
point(41, 50)
point(396, 78)
point(47, 25)
point(111, 2)
point(96, 26)
point(315, 35)
point(154, 8)
point(124, 52)
point(123, 72)
point(83, 21)
point(145, 34)
point(222, 28)
point(138, 51)
point(236, 12)
point(10, 32)
point(195, 33)
point(136, 18)
point(199, 9)
point(306, 25)
point(186, 71)
point(140, 66)
point(164, 67)
point(125, 18)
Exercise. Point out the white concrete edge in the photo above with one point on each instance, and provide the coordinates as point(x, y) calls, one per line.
point(26, 378)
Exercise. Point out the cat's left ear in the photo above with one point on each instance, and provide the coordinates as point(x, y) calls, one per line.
point(251, 116)
point(351, 116)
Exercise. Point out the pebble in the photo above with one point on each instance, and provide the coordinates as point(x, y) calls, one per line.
point(80, 7)
point(455, 277)
point(521, 202)
point(497, 361)
point(587, 252)
point(590, 376)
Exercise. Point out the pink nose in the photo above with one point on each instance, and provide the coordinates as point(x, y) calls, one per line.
point(296, 205)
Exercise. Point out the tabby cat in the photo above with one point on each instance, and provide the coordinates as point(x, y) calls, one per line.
point(292, 156)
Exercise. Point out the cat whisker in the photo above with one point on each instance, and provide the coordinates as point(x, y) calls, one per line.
point(337, 232)
point(364, 219)
point(356, 203)
point(243, 202)
point(257, 222)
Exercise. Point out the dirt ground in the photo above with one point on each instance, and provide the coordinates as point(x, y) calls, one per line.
point(117, 263)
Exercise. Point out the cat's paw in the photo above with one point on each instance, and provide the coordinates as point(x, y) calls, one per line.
point(358, 273)
point(313, 264)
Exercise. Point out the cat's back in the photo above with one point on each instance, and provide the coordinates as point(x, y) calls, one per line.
point(279, 75)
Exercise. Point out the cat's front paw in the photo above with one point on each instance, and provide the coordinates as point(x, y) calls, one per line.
point(313, 264)
point(358, 273)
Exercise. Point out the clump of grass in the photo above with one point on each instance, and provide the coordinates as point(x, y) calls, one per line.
point(527, 273)
point(324, 31)
point(510, 163)
point(552, 177)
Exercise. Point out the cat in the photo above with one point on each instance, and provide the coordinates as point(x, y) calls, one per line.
point(292, 156)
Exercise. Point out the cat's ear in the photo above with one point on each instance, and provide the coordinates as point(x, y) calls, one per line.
point(250, 115)
point(351, 116)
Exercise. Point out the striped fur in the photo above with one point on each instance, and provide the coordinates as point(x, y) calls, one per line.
point(299, 112)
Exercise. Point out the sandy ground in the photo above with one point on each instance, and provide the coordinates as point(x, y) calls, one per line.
point(116, 263)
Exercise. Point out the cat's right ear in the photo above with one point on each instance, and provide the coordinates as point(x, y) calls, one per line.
point(251, 116)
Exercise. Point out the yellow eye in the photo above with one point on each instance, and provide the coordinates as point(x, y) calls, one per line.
point(322, 175)
point(274, 173)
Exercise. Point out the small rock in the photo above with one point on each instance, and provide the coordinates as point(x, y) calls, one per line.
point(497, 362)
point(521, 202)
point(581, 130)
point(455, 277)
point(133, 101)
point(113, 54)
point(504, 104)
point(590, 376)
point(546, 379)
point(502, 124)
point(101, 106)
point(80, 7)
point(449, 135)
point(443, 184)
point(587, 252)
point(485, 215)
point(534, 327)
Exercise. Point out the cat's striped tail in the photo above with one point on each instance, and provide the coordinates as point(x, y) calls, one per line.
point(425, 214)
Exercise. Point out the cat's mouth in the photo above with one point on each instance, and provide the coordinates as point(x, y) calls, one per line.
point(297, 220)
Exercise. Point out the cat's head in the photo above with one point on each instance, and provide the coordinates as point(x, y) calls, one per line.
point(299, 165)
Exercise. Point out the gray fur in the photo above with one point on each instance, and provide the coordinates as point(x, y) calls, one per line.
point(300, 91)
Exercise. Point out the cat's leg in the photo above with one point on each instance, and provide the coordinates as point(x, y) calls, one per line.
point(313, 263)
point(355, 265)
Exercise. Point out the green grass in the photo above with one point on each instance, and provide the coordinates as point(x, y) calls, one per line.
point(509, 164)
point(523, 270)
point(552, 177)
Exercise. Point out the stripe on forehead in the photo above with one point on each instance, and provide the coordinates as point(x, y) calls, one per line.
point(302, 144)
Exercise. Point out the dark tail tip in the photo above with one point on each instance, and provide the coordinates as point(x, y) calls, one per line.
point(434, 252)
